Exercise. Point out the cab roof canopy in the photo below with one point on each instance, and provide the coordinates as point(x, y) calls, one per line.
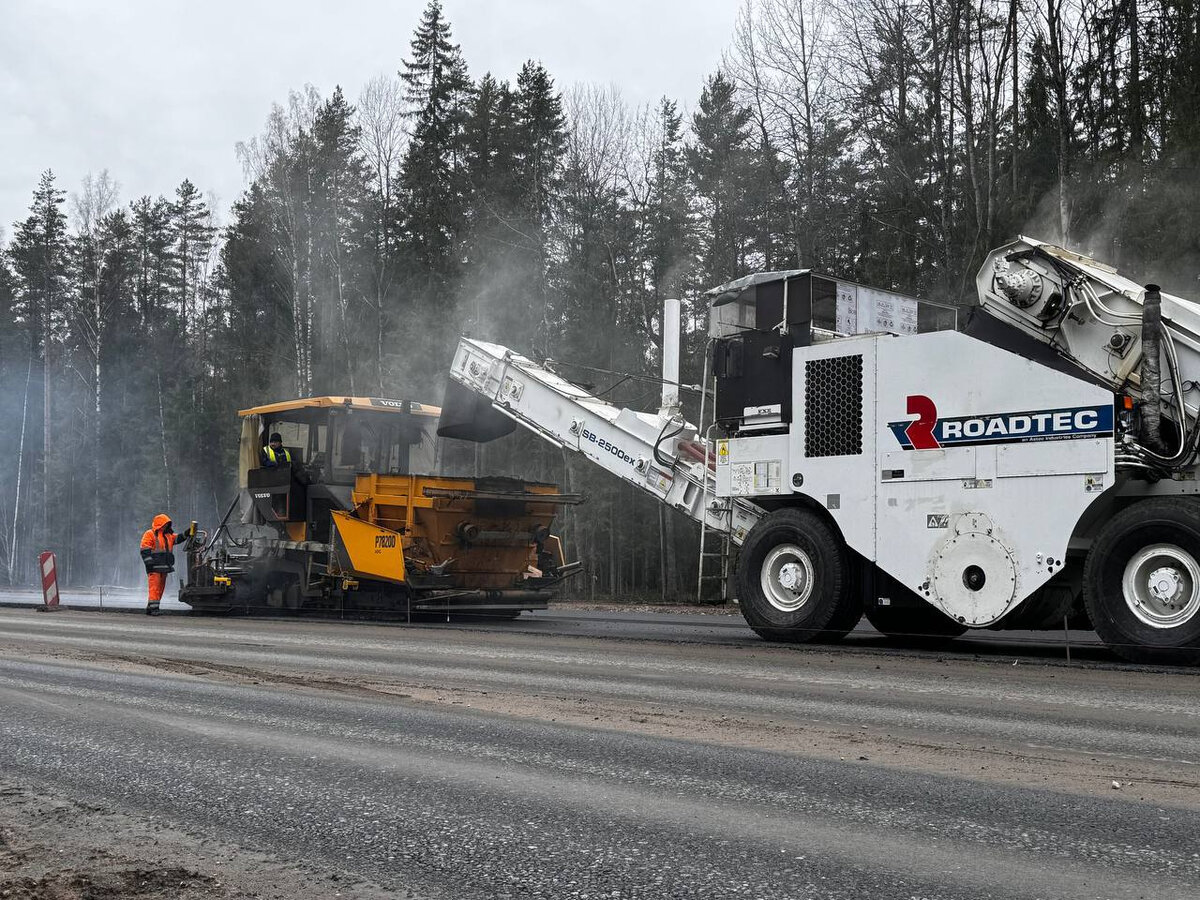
point(312, 405)
point(727, 293)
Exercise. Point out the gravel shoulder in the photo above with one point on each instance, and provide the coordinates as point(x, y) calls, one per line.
point(54, 847)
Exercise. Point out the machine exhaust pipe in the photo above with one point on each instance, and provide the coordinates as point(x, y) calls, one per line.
point(1151, 368)
point(670, 358)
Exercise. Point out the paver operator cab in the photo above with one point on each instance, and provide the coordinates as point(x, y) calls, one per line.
point(328, 445)
point(348, 514)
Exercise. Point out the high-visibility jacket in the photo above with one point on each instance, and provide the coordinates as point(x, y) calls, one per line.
point(158, 549)
point(271, 458)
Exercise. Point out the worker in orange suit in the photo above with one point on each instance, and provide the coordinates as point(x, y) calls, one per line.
point(158, 553)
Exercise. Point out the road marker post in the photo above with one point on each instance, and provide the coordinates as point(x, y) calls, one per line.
point(49, 567)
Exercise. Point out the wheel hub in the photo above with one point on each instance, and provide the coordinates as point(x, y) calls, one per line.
point(787, 577)
point(1166, 584)
point(1161, 586)
point(791, 576)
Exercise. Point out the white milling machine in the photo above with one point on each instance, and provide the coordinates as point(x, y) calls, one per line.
point(1037, 467)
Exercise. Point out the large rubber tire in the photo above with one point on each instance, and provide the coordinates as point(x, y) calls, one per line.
point(808, 591)
point(924, 625)
point(1141, 581)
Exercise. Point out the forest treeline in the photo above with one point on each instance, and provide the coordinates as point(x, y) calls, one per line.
point(887, 141)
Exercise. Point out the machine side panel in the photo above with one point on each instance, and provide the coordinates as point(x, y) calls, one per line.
point(986, 462)
point(832, 440)
point(754, 467)
point(363, 549)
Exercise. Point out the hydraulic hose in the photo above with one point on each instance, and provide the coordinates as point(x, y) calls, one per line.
point(1151, 371)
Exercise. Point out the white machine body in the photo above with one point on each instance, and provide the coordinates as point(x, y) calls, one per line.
point(930, 451)
point(970, 469)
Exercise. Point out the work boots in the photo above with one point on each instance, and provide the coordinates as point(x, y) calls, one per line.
point(152, 609)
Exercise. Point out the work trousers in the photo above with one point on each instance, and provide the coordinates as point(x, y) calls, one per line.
point(157, 584)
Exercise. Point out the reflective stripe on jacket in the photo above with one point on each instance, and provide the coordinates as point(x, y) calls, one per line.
point(158, 548)
point(154, 539)
point(275, 458)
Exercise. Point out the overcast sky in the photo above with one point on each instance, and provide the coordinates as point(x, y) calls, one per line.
point(160, 90)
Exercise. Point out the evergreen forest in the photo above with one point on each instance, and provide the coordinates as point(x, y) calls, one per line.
point(891, 142)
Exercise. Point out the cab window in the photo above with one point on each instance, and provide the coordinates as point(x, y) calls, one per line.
point(385, 444)
point(295, 438)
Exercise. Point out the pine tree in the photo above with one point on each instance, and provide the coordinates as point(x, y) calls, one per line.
point(192, 235)
point(719, 161)
point(340, 182)
point(1177, 63)
point(764, 200)
point(40, 259)
point(669, 204)
point(151, 220)
point(539, 139)
point(16, 366)
point(118, 429)
point(1039, 132)
point(658, 199)
point(433, 204)
point(254, 284)
point(494, 280)
point(488, 142)
point(9, 329)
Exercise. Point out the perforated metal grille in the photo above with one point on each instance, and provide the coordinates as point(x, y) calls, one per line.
point(833, 406)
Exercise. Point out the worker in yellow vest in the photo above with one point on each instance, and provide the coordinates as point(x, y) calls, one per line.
point(275, 454)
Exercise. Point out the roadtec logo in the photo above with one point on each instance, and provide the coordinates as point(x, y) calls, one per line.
point(929, 432)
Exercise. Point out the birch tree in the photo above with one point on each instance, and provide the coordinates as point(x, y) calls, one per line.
point(91, 307)
point(782, 60)
point(382, 114)
point(982, 46)
point(279, 160)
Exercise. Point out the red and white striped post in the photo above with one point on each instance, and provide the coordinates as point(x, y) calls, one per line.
point(49, 580)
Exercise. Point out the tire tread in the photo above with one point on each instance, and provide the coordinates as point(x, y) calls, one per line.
point(834, 616)
point(1098, 594)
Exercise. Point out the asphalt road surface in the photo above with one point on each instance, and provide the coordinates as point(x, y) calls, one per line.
point(248, 757)
point(631, 622)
